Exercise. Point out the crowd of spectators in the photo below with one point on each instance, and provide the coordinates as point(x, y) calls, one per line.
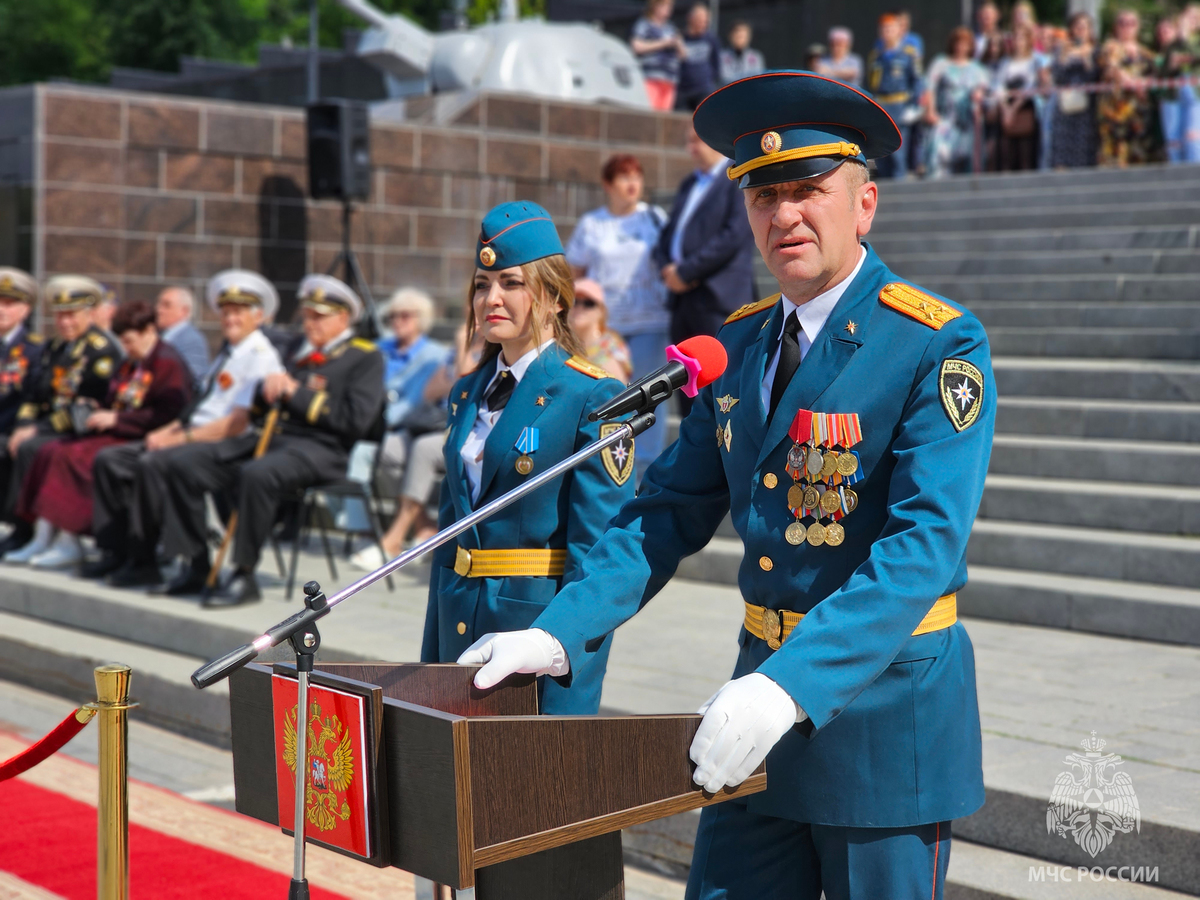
point(1013, 95)
point(122, 437)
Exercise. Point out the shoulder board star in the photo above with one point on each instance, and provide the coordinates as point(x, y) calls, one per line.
point(579, 364)
point(852, 326)
point(362, 344)
point(916, 304)
point(751, 308)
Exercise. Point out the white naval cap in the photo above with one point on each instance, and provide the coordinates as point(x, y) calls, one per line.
point(18, 284)
point(70, 292)
point(242, 287)
point(327, 294)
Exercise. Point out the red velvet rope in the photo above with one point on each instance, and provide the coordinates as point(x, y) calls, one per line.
point(47, 746)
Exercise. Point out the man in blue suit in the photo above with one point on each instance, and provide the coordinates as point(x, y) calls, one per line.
point(706, 250)
point(853, 429)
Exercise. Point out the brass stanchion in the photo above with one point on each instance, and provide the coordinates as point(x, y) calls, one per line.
point(112, 831)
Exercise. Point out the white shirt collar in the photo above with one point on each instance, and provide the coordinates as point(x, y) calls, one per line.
point(812, 315)
point(12, 334)
point(518, 368)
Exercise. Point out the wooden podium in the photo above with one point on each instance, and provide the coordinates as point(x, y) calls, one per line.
point(473, 789)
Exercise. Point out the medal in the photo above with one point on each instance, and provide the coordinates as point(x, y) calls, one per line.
point(830, 502)
point(812, 497)
point(828, 465)
point(814, 462)
point(527, 443)
point(849, 501)
point(796, 458)
point(795, 534)
point(847, 464)
point(816, 534)
point(834, 534)
point(795, 497)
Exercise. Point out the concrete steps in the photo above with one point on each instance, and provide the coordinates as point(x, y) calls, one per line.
point(1105, 343)
point(1140, 462)
point(1091, 552)
point(993, 314)
point(1009, 197)
point(1117, 379)
point(1046, 262)
point(1035, 238)
point(1121, 419)
point(967, 186)
point(1021, 286)
point(1146, 508)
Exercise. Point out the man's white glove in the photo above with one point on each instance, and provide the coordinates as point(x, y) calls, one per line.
point(533, 652)
point(742, 722)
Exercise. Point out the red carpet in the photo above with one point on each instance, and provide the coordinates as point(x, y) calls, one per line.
point(50, 840)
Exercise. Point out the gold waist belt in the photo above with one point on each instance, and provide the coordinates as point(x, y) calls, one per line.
point(508, 563)
point(773, 626)
point(901, 97)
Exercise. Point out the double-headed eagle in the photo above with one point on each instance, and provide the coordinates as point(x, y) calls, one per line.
point(330, 774)
point(1093, 802)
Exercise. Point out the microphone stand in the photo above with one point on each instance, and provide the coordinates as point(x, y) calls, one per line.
point(301, 629)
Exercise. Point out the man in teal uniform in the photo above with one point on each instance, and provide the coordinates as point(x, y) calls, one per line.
point(852, 434)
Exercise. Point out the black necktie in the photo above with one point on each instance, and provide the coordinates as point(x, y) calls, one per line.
point(789, 360)
point(497, 396)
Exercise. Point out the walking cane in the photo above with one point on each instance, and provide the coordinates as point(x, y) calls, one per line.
point(264, 441)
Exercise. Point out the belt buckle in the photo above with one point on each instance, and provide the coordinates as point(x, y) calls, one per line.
point(772, 628)
point(462, 562)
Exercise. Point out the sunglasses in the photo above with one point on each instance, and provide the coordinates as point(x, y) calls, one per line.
point(586, 302)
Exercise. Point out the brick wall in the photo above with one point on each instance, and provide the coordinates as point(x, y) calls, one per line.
point(141, 190)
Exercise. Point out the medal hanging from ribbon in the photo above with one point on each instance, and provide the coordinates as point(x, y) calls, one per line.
point(822, 465)
point(527, 444)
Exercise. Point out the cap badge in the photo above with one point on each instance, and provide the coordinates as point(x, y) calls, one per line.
point(487, 256)
point(6, 284)
point(771, 142)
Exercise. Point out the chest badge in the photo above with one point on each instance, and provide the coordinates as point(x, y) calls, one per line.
point(960, 385)
point(726, 403)
point(617, 459)
point(527, 443)
point(316, 382)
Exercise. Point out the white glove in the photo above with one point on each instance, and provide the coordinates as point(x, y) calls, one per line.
point(742, 722)
point(534, 652)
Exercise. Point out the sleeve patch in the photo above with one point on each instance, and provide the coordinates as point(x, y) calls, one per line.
point(960, 385)
point(103, 366)
point(916, 304)
point(751, 309)
point(618, 459)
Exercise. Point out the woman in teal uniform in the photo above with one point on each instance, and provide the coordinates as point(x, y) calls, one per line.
point(523, 409)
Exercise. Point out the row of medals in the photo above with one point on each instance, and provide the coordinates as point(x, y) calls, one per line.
point(804, 499)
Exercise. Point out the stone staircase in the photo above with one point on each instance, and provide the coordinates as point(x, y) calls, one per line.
point(1089, 286)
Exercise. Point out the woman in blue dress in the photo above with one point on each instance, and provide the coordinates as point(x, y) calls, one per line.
point(523, 409)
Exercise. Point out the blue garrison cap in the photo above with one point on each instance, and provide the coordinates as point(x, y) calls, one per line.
point(516, 233)
point(789, 125)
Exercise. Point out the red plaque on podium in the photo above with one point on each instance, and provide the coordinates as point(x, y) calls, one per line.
point(337, 798)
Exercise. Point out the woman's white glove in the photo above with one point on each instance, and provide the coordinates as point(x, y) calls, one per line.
point(742, 722)
point(533, 652)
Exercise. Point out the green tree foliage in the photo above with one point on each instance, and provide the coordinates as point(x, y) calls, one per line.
point(84, 39)
point(51, 39)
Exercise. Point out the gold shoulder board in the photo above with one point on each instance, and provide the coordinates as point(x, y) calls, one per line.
point(34, 338)
point(98, 341)
point(579, 364)
point(751, 308)
point(362, 344)
point(918, 305)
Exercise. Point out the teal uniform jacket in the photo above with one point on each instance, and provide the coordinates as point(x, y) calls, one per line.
point(569, 513)
point(893, 736)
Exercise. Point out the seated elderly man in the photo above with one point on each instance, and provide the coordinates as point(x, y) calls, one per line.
point(21, 353)
point(129, 478)
point(329, 398)
point(173, 314)
point(72, 378)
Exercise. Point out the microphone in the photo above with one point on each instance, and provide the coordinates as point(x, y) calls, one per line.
point(693, 364)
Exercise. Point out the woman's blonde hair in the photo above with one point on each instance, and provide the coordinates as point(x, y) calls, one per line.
point(552, 286)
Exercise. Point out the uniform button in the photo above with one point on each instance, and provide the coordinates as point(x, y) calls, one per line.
point(769, 480)
point(462, 627)
point(764, 563)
